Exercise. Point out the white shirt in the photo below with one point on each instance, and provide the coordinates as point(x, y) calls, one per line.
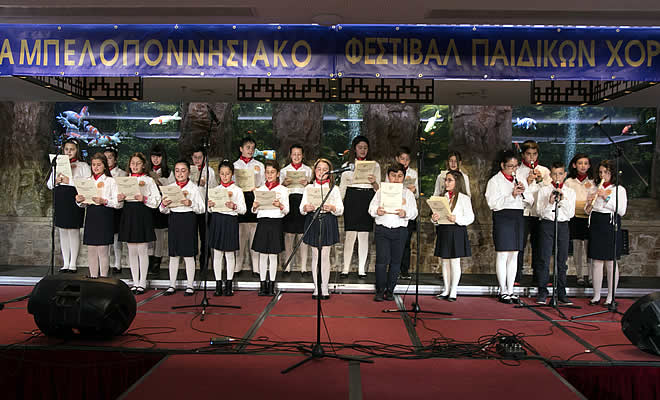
point(238, 198)
point(462, 210)
point(546, 210)
point(118, 172)
point(499, 194)
point(308, 173)
point(440, 183)
point(194, 195)
point(79, 169)
point(393, 220)
point(410, 173)
point(532, 189)
point(259, 170)
point(609, 206)
point(108, 192)
point(213, 182)
point(347, 180)
point(334, 198)
point(148, 189)
point(282, 194)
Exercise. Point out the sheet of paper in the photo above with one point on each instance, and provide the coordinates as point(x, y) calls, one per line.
point(391, 197)
point(265, 199)
point(88, 188)
point(440, 205)
point(244, 178)
point(63, 166)
point(128, 185)
point(173, 193)
point(194, 174)
point(220, 196)
point(295, 177)
point(314, 196)
point(362, 171)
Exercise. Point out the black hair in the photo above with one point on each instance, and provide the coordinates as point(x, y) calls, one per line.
point(357, 140)
point(558, 164)
point(104, 160)
point(529, 144)
point(76, 143)
point(112, 150)
point(396, 167)
point(183, 161)
point(228, 164)
point(159, 151)
point(272, 163)
point(502, 157)
point(610, 166)
point(573, 172)
point(403, 150)
point(296, 146)
point(245, 140)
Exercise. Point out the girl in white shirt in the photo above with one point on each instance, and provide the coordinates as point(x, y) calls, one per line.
point(452, 242)
point(294, 221)
point(223, 229)
point(454, 162)
point(330, 235)
point(269, 236)
point(602, 212)
point(99, 223)
point(160, 172)
point(182, 225)
point(69, 217)
point(111, 155)
point(136, 227)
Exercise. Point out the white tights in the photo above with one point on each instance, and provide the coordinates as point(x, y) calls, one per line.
point(218, 258)
point(159, 247)
point(70, 244)
point(289, 240)
point(98, 258)
point(451, 275)
point(267, 264)
point(579, 257)
point(325, 270)
point(246, 232)
point(506, 266)
point(598, 279)
point(138, 260)
point(116, 246)
point(190, 270)
point(363, 250)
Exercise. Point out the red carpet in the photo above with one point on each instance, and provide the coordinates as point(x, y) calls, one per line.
point(12, 292)
point(248, 300)
point(360, 305)
point(472, 307)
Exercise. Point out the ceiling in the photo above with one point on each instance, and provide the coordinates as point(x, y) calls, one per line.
point(558, 12)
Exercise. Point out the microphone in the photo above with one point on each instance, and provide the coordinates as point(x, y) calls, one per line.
point(601, 120)
point(556, 192)
point(212, 114)
point(349, 167)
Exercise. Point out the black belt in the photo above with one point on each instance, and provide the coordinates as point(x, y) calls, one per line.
point(360, 189)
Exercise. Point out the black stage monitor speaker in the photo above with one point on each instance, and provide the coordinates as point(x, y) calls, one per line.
point(641, 323)
point(63, 305)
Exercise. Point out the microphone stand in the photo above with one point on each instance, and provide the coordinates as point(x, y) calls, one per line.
point(316, 351)
point(204, 261)
point(53, 166)
point(414, 307)
point(554, 303)
point(618, 152)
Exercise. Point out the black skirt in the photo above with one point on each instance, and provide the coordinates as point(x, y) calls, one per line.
point(452, 241)
point(356, 215)
point(330, 234)
point(601, 234)
point(294, 222)
point(160, 219)
point(579, 228)
point(249, 216)
point(117, 219)
point(269, 237)
point(136, 224)
point(223, 232)
point(99, 226)
point(182, 234)
point(508, 230)
point(67, 213)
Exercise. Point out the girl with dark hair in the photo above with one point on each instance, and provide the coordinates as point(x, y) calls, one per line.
point(357, 220)
point(160, 173)
point(332, 209)
point(452, 242)
point(269, 237)
point(581, 180)
point(603, 212)
point(182, 224)
point(454, 161)
point(294, 221)
point(223, 229)
point(99, 223)
point(504, 195)
point(136, 227)
point(69, 217)
point(112, 156)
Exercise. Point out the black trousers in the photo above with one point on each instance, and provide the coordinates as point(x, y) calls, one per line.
point(405, 259)
point(389, 249)
point(532, 226)
point(547, 243)
point(201, 229)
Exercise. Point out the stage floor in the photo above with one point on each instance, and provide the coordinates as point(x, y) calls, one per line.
point(268, 330)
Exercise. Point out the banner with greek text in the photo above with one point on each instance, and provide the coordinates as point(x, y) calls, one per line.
point(167, 50)
point(498, 52)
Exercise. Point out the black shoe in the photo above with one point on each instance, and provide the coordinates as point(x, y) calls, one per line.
point(442, 297)
point(594, 303)
point(271, 288)
point(363, 276)
point(343, 275)
point(451, 298)
point(315, 296)
point(229, 288)
point(563, 300)
point(189, 292)
point(150, 268)
point(541, 298)
point(255, 274)
point(218, 288)
point(140, 290)
point(72, 270)
point(286, 273)
point(325, 297)
point(170, 291)
point(64, 269)
point(116, 270)
point(505, 298)
point(405, 276)
point(156, 267)
point(388, 296)
point(379, 296)
point(263, 289)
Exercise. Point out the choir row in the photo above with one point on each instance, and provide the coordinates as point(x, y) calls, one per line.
point(523, 200)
